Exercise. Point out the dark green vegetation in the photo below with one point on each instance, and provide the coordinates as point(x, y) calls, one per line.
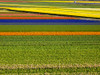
point(49, 54)
point(29, 28)
point(53, 71)
point(39, 54)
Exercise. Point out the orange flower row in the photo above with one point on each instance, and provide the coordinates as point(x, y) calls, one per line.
point(38, 18)
point(49, 33)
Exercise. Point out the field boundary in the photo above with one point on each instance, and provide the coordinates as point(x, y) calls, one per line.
point(43, 66)
point(49, 33)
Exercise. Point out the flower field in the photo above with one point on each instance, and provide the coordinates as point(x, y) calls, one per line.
point(49, 37)
point(52, 1)
point(93, 13)
point(50, 54)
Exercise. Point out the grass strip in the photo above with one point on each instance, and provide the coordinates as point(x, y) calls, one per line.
point(49, 28)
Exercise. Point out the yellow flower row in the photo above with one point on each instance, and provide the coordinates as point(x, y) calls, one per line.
point(86, 12)
point(69, 1)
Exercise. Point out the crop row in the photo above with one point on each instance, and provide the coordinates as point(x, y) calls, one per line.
point(49, 28)
point(37, 17)
point(56, 1)
point(50, 54)
point(94, 13)
point(49, 50)
point(49, 33)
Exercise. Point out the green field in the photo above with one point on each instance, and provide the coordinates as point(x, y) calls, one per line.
point(54, 4)
point(29, 28)
point(49, 54)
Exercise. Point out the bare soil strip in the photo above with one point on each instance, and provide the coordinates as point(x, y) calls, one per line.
point(49, 33)
point(25, 66)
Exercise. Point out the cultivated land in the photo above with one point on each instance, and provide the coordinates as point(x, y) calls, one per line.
point(55, 4)
point(67, 9)
point(50, 28)
point(55, 55)
point(50, 54)
point(49, 8)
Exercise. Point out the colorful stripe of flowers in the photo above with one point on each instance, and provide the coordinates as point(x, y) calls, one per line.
point(61, 11)
point(49, 33)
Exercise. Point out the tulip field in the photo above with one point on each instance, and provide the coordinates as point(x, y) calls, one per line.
point(94, 13)
point(50, 54)
point(52, 37)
